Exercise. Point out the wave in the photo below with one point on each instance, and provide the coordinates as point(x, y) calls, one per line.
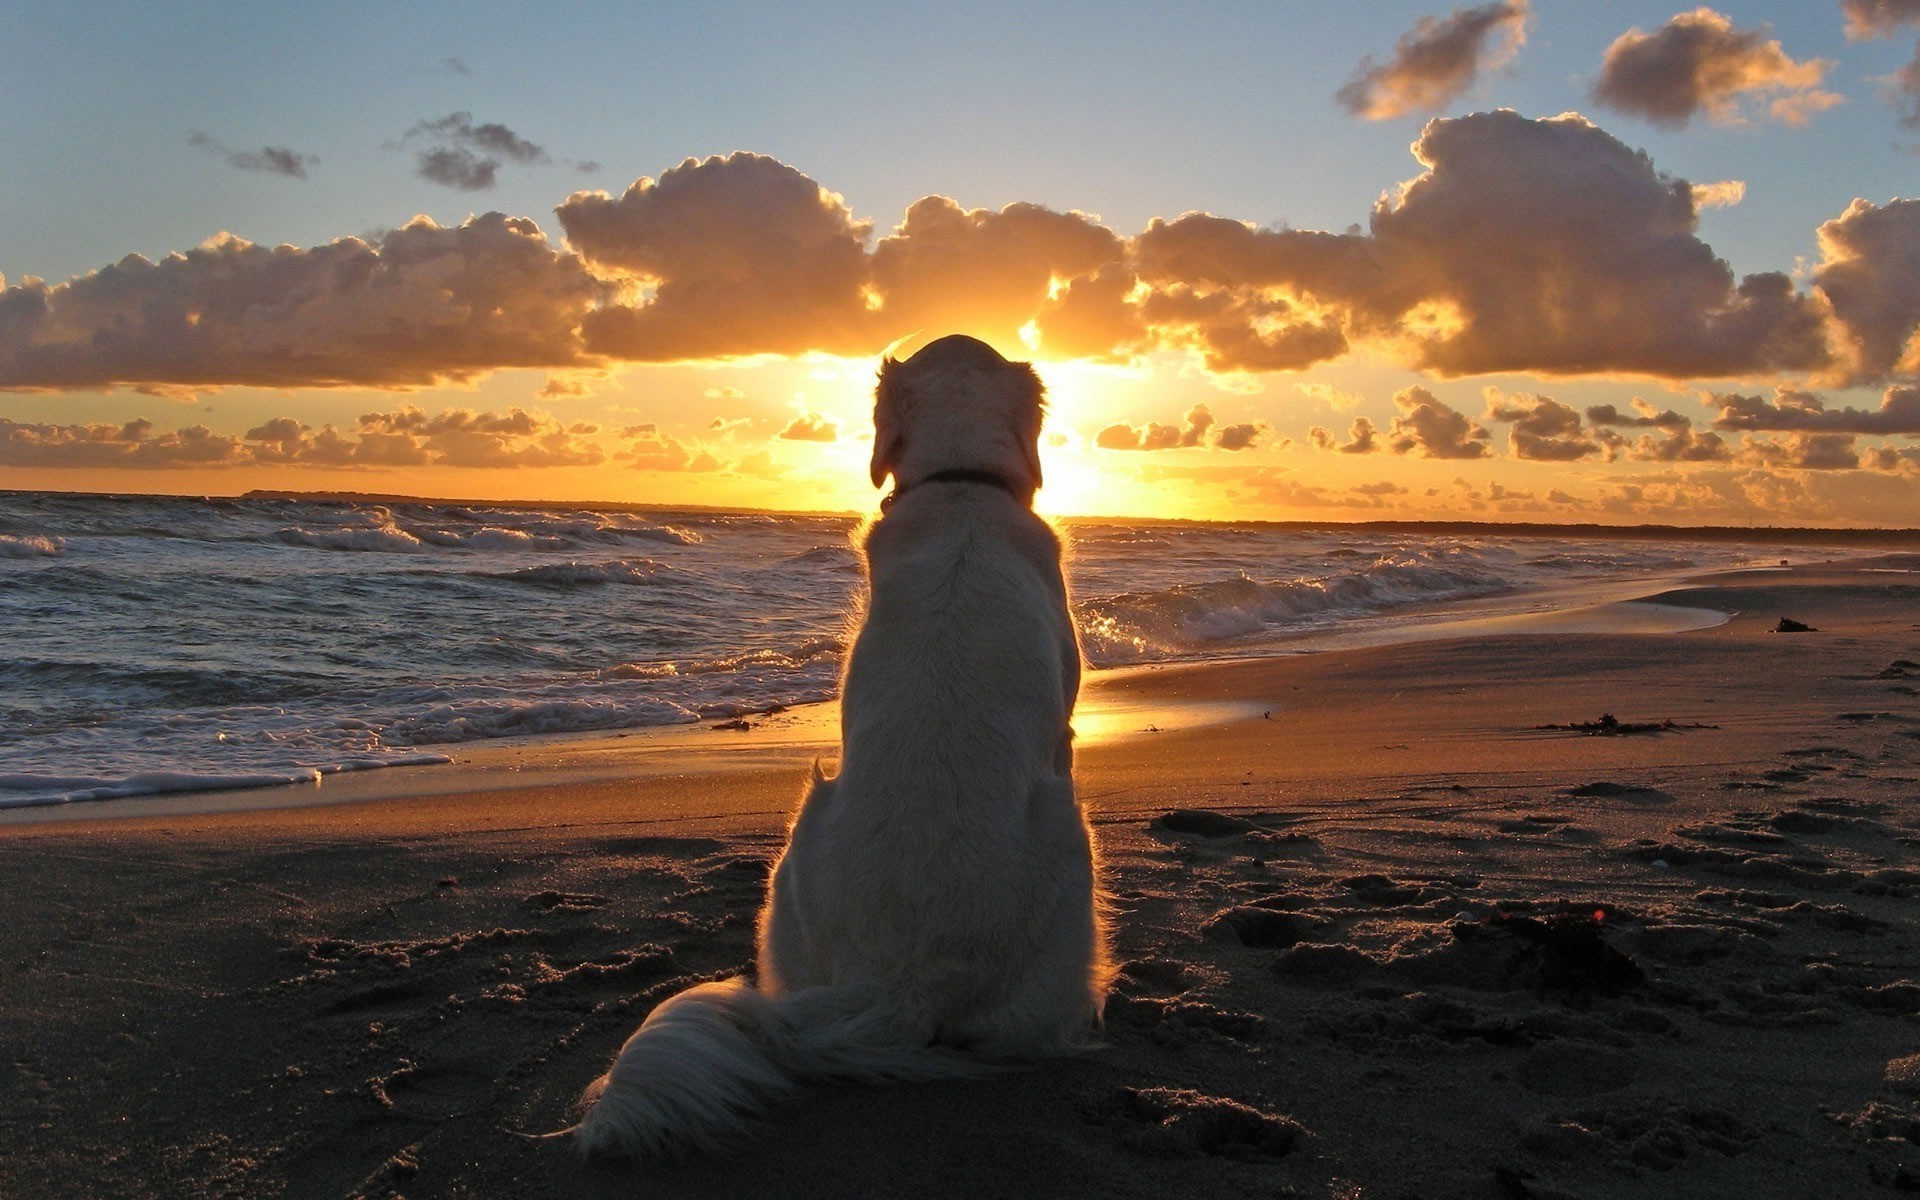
point(812, 653)
point(1192, 617)
point(477, 719)
point(570, 574)
point(31, 545)
point(388, 538)
point(491, 538)
point(35, 790)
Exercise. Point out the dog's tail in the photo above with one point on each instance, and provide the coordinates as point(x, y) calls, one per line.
point(707, 1061)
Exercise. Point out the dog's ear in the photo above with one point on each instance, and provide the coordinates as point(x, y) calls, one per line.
point(888, 438)
point(1030, 416)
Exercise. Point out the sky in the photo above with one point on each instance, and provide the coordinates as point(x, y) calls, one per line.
point(1547, 261)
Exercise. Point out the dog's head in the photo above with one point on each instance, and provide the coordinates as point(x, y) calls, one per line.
point(956, 404)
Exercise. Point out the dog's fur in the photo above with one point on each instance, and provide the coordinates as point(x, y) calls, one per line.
point(935, 909)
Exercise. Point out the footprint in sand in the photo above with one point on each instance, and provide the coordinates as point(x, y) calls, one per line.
point(1178, 1123)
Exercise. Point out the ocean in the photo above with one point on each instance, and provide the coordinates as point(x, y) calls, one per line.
point(152, 644)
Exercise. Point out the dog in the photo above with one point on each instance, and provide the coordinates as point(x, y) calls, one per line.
point(935, 913)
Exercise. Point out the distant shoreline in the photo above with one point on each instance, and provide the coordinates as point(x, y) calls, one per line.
point(1893, 538)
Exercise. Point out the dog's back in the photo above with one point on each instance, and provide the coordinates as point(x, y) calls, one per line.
point(938, 894)
point(949, 857)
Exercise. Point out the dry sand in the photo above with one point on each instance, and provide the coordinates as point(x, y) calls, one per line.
point(1403, 943)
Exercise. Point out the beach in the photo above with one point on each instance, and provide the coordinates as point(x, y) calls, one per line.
point(1547, 910)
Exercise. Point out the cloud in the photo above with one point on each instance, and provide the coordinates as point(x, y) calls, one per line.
point(1436, 61)
point(1542, 246)
point(1437, 431)
point(1196, 430)
point(737, 256)
point(981, 272)
point(652, 450)
point(1870, 259)
point(461, 154)
point(1645, 416)
point(1699, 63)
point(274, 160)
point(1878, 18)
point(1803, 452)
point(404, 438)
point(1790, 409)
point(811, 427)
point(134, 444)
point(1903, 89)
point(1725, 194)
point(424, 305)
point(1362, 438)
point(1544, 429)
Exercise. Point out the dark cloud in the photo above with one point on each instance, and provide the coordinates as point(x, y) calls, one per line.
point(1197, 429)
point(1432, 428)
point(1544, 429)
point(462, 154)
point(1362, 438)
point(1436, 61)
point(134, 444)
point(457, 167)
point(1903, 88)
point(274, 160)
point(1699, 63)
point(1878, 18)
point(1645, 416)
point(423, 305)
point(1791, 409)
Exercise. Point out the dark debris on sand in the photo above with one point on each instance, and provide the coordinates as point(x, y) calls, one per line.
point(1611, 726)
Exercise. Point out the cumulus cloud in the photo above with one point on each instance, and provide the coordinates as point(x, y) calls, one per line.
point(978, 271)
point(736, 256)
point(1645, 416)
point(1434, 429)
point(650, 449)
point(273, 160)
point(811, 427)
point(1197, 429)
point(133, 444)
point(1699, 63)
point(1362, 438)
point(1436, 61)
point(406, 437)
point(1545, 246)
point(1803, 452)
point(1878, 18)
point(1544, 429)
point(423, 305)
point(1723, 194)
point(1791, 409)
point(461, 154)
point(1870, 259)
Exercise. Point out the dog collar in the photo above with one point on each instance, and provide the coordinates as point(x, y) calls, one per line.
point(952, 475)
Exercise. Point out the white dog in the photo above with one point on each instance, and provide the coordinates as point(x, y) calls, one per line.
point(935, 909)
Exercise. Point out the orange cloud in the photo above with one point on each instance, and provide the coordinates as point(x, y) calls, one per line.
point(1436, 61)
point(1699, 63)
point(1196, 430)
point(1790, 409)
point(736, 256)
point(1544, 429)
point(811, 427)
point(1878, 18)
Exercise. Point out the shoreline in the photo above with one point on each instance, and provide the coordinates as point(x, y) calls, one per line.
point(1673, 961)
point(794, 736)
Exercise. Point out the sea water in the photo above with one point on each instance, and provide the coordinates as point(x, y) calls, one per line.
point(161, 644)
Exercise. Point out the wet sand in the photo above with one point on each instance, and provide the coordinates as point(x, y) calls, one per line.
point(1419, 924)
